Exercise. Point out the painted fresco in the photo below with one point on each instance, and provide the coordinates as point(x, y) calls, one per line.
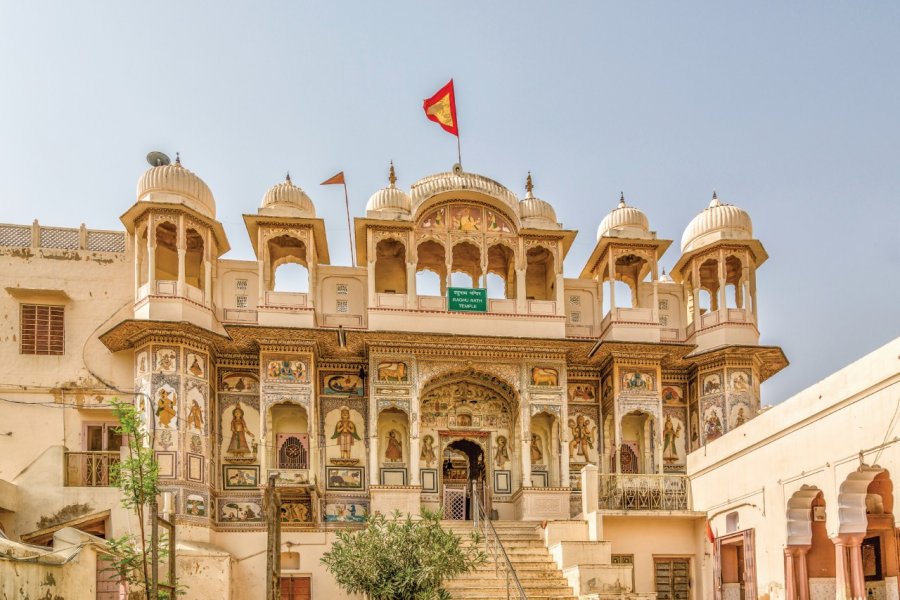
point(239, 427)
point(711, 384)
point(582, 391)
point(350, 511)
point(740, 381)
point(195, 365)
point(165, 360)
point(435, 220)
point(544, 376)
point(392, 371)
point(739, 412)
point(427, 455)
point(195, 405)
point(344, 431)
point(166, 402)
point(695, 427)
point(239, 511)
point(496, 223)
point(296, 510)
point(638, 381)
point(142, 363)
point(671, 394)
point(674, 438)
point(466, 218)
point(240, 383)
point(342, 384)
point(195, 505)
point(287, 371)
point(713, 425)
point(582, 438)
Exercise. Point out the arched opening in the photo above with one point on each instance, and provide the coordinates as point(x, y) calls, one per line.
point(431, 259)
point(733, 276)
point(630, 269)
point(540, 274)
point(290, 277)
point(393, 446)
point(194, 272)
point(290, 426)
point(501, 279)
point(544, 450)
point(466, 260)
point(461, 280)
point(705, 301)
point(287, 250)
point(637, 443)
point(809, 553)
point(709, 282)
point(166, 259)
point(464, 463)
point(390, 267)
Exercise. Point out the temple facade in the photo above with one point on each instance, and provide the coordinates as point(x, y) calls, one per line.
point(456, 363)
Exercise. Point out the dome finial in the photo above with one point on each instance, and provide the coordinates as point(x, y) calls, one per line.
point(715, 200)
point(178, 159)
point(529, 185)
point(287, 177)
point(392, 175)
point(621, 199)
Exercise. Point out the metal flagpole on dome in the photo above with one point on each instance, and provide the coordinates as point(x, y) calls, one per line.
point(339, 178)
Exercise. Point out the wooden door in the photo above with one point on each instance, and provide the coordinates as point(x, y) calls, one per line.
point(295, 588)
point(673, 578)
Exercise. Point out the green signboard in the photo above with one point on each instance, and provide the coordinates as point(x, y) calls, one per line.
point(467, 299)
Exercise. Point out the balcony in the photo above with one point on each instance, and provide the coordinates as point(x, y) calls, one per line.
point(645, 492)
point(90, 469)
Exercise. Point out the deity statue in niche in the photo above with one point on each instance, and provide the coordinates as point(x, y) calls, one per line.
point(537, 455)
point(670, 435)
point(582, 436)
point(501, 456)
point(239, 432)
point(165, 407)
point(345, 433)
point(195, 416)
point(394, 452)
point(427, 454)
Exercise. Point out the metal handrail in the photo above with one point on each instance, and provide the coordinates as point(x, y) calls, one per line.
point(494, 545)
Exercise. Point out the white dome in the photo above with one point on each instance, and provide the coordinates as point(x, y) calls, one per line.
point(390, 200)
point(535, 212)
point(718, 221)
point(174, 184)
point(287, 200)
point(439, 183)
point(625, 221)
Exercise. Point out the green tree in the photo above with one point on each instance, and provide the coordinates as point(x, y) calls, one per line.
point(137, 476)
point(401, 558)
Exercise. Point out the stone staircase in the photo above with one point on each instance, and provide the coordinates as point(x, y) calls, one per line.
point(537, 572)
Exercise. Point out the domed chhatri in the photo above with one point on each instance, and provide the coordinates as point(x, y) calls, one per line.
point(718, 221)
point(287, 200)
point(390, 202)
point(174, 184)
point(535, 212)
point(624, 221)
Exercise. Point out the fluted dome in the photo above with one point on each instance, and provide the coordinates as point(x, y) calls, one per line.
point(535, 212)
point(441, 183)
point(624, 221)
point(718, 221)
point(390, 201)
point(174, 184)
point(287, 200)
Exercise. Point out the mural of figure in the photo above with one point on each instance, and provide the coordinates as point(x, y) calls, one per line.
point(165, 407)
point(465, 221)
point(238, 444)
point(501, 457)
point(713, 426)
point(582, 436)
point(427, 454)
point(536, 454)
point(195, 369)
point(345, 433)
point(741, 418)
point(195, 416)
point(670, 434)
point(394, 452)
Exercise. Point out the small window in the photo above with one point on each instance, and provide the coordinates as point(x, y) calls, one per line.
point(625, 559)
point(341, 289)
point(241, 285)
point(42, 329)
point(663, 320)
point(343, 306)
point(576, 316)
point(663, 305)
point(732, 522)
point(241, 301)
point(102, 437)
point(575, 300)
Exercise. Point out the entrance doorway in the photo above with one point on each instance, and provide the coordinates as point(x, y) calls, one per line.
point(464, 464)
point(673, 579)
point(736, 566)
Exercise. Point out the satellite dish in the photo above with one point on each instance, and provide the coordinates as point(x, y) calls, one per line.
point(457, 169)
point(158, 159)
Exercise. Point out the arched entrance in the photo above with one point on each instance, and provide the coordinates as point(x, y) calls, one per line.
point(474, 418)
point(464, 464)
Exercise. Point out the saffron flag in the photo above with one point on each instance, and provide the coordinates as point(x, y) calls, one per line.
point(709, 533)
point(441, 108)
point(337, 179)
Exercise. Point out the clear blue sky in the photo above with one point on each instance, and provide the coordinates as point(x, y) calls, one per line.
point(790, 110)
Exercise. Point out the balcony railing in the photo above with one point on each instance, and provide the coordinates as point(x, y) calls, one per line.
point(645, 492)
point(89, 469)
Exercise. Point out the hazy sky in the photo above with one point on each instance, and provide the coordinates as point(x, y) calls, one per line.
point(790, 110)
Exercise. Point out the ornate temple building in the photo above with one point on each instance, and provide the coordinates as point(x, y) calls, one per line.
point(456, 353)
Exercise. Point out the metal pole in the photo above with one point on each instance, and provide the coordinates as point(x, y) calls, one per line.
point(349, 228)
point(154, 549)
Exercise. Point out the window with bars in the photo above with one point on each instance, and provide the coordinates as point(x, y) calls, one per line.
point(576, 316)
point(343, 306)
point(42, 329)
point(341, 289)
point(241, 284)
point(241, 302)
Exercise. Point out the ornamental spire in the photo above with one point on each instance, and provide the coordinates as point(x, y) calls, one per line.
point(392, 175)
point(529, 186)
point(621, 199)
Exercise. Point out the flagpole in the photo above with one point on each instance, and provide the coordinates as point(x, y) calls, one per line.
point(349, 228)
point(458, 151)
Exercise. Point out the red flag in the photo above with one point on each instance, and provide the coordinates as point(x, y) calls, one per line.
point(337, 179)
point(441, 108)
point(709, 533)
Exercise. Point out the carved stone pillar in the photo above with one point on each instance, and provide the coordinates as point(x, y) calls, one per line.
point(790, 581)
point(802, 572)
point(849, 580)
point(521, 300)
point(411, 300)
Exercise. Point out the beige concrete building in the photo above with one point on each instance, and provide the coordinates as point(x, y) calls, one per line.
point(599, 419)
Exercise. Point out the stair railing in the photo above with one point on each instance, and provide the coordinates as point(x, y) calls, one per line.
point(482, 524)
